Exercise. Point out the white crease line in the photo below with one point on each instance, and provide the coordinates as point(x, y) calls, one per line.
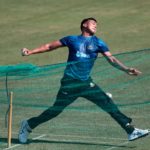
point(12, 147)
point(75, 136)
point(39, 137)
point(122, 139)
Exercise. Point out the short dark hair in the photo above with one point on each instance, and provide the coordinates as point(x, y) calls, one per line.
point(85, 20)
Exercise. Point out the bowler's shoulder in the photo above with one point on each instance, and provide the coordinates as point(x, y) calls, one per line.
point(98, 38)
point(71, 37)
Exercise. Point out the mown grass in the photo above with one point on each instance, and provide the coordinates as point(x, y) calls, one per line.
point(82, 125)
point(124, 25)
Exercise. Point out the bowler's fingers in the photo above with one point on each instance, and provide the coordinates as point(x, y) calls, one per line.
point(133, 71)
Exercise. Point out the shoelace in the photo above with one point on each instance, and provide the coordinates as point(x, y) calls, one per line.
point(23, 129)
point(138, 133)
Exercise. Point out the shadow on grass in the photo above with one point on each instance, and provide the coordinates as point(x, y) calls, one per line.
point(80, 143)
point(15, 141)
point(5, 140)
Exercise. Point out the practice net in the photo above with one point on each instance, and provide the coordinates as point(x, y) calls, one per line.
point(35, 89)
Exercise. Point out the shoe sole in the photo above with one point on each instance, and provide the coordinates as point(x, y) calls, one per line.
point(141, 136)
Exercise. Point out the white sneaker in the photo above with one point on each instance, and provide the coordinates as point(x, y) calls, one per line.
point(137, 133)
point(24, 132)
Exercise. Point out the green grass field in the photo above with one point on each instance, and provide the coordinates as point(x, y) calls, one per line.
point(82, 125)
point(123, 24)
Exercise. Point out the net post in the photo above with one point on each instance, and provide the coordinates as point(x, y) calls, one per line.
point(10, 119)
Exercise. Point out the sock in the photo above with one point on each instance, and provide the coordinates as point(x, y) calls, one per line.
point(129, 128)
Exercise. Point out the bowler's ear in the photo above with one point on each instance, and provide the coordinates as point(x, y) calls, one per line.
point(85, 25)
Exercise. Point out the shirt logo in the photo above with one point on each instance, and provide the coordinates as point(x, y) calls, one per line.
point(83, 55)
point(90, 47)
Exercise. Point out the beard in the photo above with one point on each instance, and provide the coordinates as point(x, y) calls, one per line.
point(90, 31)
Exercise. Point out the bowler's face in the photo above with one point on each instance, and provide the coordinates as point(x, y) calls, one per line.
point(92, 26)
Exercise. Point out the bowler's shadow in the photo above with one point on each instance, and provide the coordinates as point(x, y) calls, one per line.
point(15, 141)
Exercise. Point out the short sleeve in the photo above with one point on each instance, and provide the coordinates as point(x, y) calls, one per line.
point(102, 46)
point(64, 40)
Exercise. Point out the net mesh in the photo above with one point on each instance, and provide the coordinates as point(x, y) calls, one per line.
point(35, 89)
